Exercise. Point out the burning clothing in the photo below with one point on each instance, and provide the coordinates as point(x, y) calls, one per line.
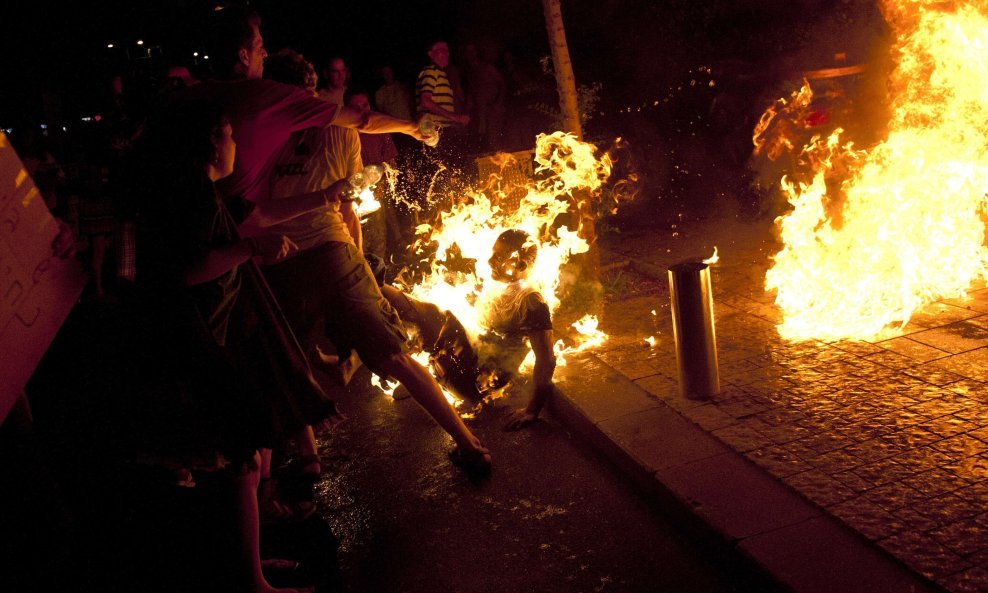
point(518, 311)
point(473, 368)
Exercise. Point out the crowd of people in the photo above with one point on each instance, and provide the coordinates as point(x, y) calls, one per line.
point(239, 254)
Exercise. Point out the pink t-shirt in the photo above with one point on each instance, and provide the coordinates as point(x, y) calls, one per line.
point(263, 114)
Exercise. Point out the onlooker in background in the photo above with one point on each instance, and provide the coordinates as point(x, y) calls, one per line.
point(177, 77)
point(434, 93)
point(486, 96)
point(119, 126)
point(392, 97)
point(337, 76)
point(40, 164)
point(382, 231)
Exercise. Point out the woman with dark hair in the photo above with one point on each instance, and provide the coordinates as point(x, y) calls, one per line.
point(222, 375)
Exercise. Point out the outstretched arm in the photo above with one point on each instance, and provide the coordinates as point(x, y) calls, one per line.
point(372, 122)
point(220, 260)
point(545, 366)
point(275, 211)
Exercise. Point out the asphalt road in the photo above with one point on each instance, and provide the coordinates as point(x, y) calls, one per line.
point(554, 516)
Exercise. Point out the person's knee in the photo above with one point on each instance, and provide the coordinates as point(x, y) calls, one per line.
point(400, 361)
point(403, 367)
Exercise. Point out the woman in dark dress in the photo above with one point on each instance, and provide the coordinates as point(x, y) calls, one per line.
point(222, 372)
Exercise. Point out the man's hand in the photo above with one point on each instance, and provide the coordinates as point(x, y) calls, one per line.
point(275, 247)
point(337, 191)
point(520, 419)
point(429, 132)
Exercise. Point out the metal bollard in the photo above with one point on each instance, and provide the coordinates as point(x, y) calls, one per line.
point(693, 329)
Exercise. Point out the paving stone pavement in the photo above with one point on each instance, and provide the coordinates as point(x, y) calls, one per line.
point(890, 437)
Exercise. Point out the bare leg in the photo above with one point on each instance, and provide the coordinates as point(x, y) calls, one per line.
point(248, 523)
point(426, 316)
point(308, 451)
point(267, 505)
point(429, 395)
point(265, 464)
point(307, 442)
point(340, 369)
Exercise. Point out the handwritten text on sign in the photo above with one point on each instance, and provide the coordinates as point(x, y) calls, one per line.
point(37, 290)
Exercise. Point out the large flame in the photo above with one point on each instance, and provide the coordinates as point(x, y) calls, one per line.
point(876, 234)
point(567, 170)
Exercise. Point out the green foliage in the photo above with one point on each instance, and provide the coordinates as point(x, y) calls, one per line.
point(587, 99)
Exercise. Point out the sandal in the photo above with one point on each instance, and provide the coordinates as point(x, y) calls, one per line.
point(273, 511)
point(475, 462)
point(280, 564)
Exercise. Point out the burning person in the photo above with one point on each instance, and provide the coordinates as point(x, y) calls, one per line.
point(512, 314)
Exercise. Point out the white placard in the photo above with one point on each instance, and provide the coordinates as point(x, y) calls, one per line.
point(37, 289)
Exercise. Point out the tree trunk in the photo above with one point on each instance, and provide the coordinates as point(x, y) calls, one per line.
point(588, 291)
point(563, 67)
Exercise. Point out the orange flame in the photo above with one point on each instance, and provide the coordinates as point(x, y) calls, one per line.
point(467, 231)
point(876, 234)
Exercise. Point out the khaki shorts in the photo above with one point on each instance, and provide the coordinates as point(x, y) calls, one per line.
point(333, 283)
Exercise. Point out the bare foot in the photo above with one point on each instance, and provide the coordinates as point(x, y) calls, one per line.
point(348, 367)
point(324, 362)
point(520, 419)
point(341, 370)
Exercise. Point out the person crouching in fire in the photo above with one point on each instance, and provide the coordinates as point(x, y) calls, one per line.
point(513, 314)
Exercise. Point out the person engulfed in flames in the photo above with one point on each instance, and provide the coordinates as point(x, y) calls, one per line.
point(515, 313)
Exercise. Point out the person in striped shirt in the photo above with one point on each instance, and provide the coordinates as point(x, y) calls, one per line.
point(433, 90)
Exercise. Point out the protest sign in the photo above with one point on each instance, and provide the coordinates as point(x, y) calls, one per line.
point(37, 289)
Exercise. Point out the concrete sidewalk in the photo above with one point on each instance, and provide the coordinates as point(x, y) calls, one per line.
point(843, 466)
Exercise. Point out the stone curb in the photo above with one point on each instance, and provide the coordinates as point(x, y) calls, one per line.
point(788, 538)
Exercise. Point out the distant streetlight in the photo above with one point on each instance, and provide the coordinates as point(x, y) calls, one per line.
point(195, 54)
point(140, 42)
point(109, 46)
point(205, 57)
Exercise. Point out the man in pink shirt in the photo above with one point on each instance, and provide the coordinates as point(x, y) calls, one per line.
point(264, 113)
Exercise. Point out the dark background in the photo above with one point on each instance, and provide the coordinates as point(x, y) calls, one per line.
point(682, 81)
point(636, 48)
